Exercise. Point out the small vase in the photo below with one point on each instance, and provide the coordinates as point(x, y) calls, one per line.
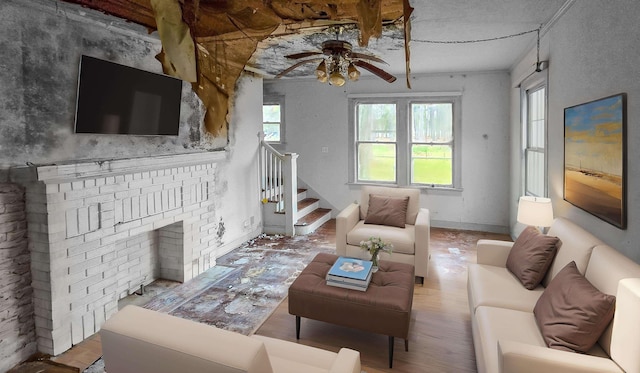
point(374, 260)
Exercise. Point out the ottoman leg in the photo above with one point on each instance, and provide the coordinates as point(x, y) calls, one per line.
point(390, 351)
point(406, 345)
point(297, 327)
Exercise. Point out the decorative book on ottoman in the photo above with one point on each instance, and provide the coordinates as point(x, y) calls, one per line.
point(350, 273)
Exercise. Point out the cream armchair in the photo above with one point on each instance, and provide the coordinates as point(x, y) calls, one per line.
point(410, 244)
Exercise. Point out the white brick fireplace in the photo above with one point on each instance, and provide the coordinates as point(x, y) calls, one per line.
point(100, 229)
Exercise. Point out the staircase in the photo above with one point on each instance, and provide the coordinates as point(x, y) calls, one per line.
point(285, 212)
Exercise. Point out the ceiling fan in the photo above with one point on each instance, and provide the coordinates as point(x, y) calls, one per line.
point(338, 61)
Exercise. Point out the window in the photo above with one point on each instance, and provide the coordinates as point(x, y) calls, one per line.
point(272, 120)
point(376, 143)
point(535, 169)
point(405, 140)
point(432, 143)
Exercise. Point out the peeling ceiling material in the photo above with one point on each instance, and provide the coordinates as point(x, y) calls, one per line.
point(225, 34)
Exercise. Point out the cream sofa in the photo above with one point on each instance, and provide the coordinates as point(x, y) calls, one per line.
point(505, 334)
point(410, 244)
point(137, 340)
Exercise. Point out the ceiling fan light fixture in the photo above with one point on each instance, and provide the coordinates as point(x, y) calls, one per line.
point(337, 79)
point(353, 73)
point(323, 79)
point(321, 71)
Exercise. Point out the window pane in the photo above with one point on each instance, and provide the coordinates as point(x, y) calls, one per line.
point(377, 122)
point(271, 113)
point(271, 122)
point(535, 173)
point(535, 136)
point(432, 164)
point(377, 162)
point(431, 122)
point(271, 131)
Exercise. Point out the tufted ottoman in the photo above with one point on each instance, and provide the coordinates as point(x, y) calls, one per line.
point(385, 308)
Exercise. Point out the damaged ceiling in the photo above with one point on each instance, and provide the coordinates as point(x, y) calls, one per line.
point(210, 42)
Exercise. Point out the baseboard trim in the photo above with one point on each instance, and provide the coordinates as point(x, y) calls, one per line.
point(470, 226)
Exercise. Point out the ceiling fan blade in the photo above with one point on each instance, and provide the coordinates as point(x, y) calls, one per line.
point(362, 56)
point(296, 56)
point(375, 70)
point(297, 65)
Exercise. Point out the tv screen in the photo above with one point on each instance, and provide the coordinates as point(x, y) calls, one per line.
point(117, 99)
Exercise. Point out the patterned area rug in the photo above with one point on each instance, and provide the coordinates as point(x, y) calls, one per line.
point(244, 287)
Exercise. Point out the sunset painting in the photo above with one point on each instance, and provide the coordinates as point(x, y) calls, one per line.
point(594, 158)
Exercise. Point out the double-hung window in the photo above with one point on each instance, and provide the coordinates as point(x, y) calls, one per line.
point(405, 140)
point(534, 141)
point(272, 120)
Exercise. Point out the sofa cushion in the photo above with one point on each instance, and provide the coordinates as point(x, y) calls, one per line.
point(386, 210)
point(401, 238)
point(531, 256)
point(572, 313)
point(495, 286)
point(495, 324)
point(600, 275)
point(575, 245)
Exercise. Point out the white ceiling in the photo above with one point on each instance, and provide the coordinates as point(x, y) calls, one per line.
point(434, 20)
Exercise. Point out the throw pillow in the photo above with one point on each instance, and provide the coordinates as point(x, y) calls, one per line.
point(571, 313)
point(531, 256)
point(385, 210)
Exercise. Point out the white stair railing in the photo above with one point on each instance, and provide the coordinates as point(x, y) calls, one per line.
point(279, 182)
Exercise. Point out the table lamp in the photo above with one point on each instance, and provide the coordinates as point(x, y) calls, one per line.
point(535, 211)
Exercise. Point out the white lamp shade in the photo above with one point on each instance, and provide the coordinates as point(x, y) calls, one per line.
point(536, 211)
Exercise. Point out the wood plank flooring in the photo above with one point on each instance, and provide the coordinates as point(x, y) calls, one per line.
point(440, 335)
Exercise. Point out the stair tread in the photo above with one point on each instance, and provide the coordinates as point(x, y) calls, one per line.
point(312, 216)
point(306, 202)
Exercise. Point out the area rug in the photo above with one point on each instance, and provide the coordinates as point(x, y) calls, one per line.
point(244, 287)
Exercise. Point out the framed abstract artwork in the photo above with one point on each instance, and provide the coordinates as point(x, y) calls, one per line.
point(595, 158)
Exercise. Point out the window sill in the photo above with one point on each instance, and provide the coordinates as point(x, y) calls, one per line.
point(421, 187)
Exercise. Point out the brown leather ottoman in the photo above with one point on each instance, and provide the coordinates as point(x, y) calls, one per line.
point(385, 308)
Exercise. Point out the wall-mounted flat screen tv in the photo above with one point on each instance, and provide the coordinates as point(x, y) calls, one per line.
point(117, 99)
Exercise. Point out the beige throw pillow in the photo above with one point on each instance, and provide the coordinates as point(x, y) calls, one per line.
point(531, 256)
point(571, 313)
point(385, 210)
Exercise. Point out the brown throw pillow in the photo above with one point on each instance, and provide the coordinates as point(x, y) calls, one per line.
point(385, 210)
point(531, 256)
point(571, 313)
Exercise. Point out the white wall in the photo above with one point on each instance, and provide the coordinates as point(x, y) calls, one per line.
point(317, 116)
point(240, 206)
point(593, 53)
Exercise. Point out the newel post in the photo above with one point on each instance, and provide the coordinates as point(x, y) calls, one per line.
point(290, 193)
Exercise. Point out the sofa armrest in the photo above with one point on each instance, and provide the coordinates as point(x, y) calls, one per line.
point(626, 331)
point(519, 357)
point(422, 237)
point(348, 361)
point(345, 221)
point(493, 252)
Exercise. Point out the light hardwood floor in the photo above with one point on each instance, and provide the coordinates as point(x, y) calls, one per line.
point(440, 335)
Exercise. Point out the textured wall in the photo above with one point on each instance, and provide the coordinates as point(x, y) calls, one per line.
point(17, 329)
point(41, 43)
point(593, 53)
point(317, 116)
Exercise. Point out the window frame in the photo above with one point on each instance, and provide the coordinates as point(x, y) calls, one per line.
point(276, 100)
point(403, 136)
point(532, 85)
